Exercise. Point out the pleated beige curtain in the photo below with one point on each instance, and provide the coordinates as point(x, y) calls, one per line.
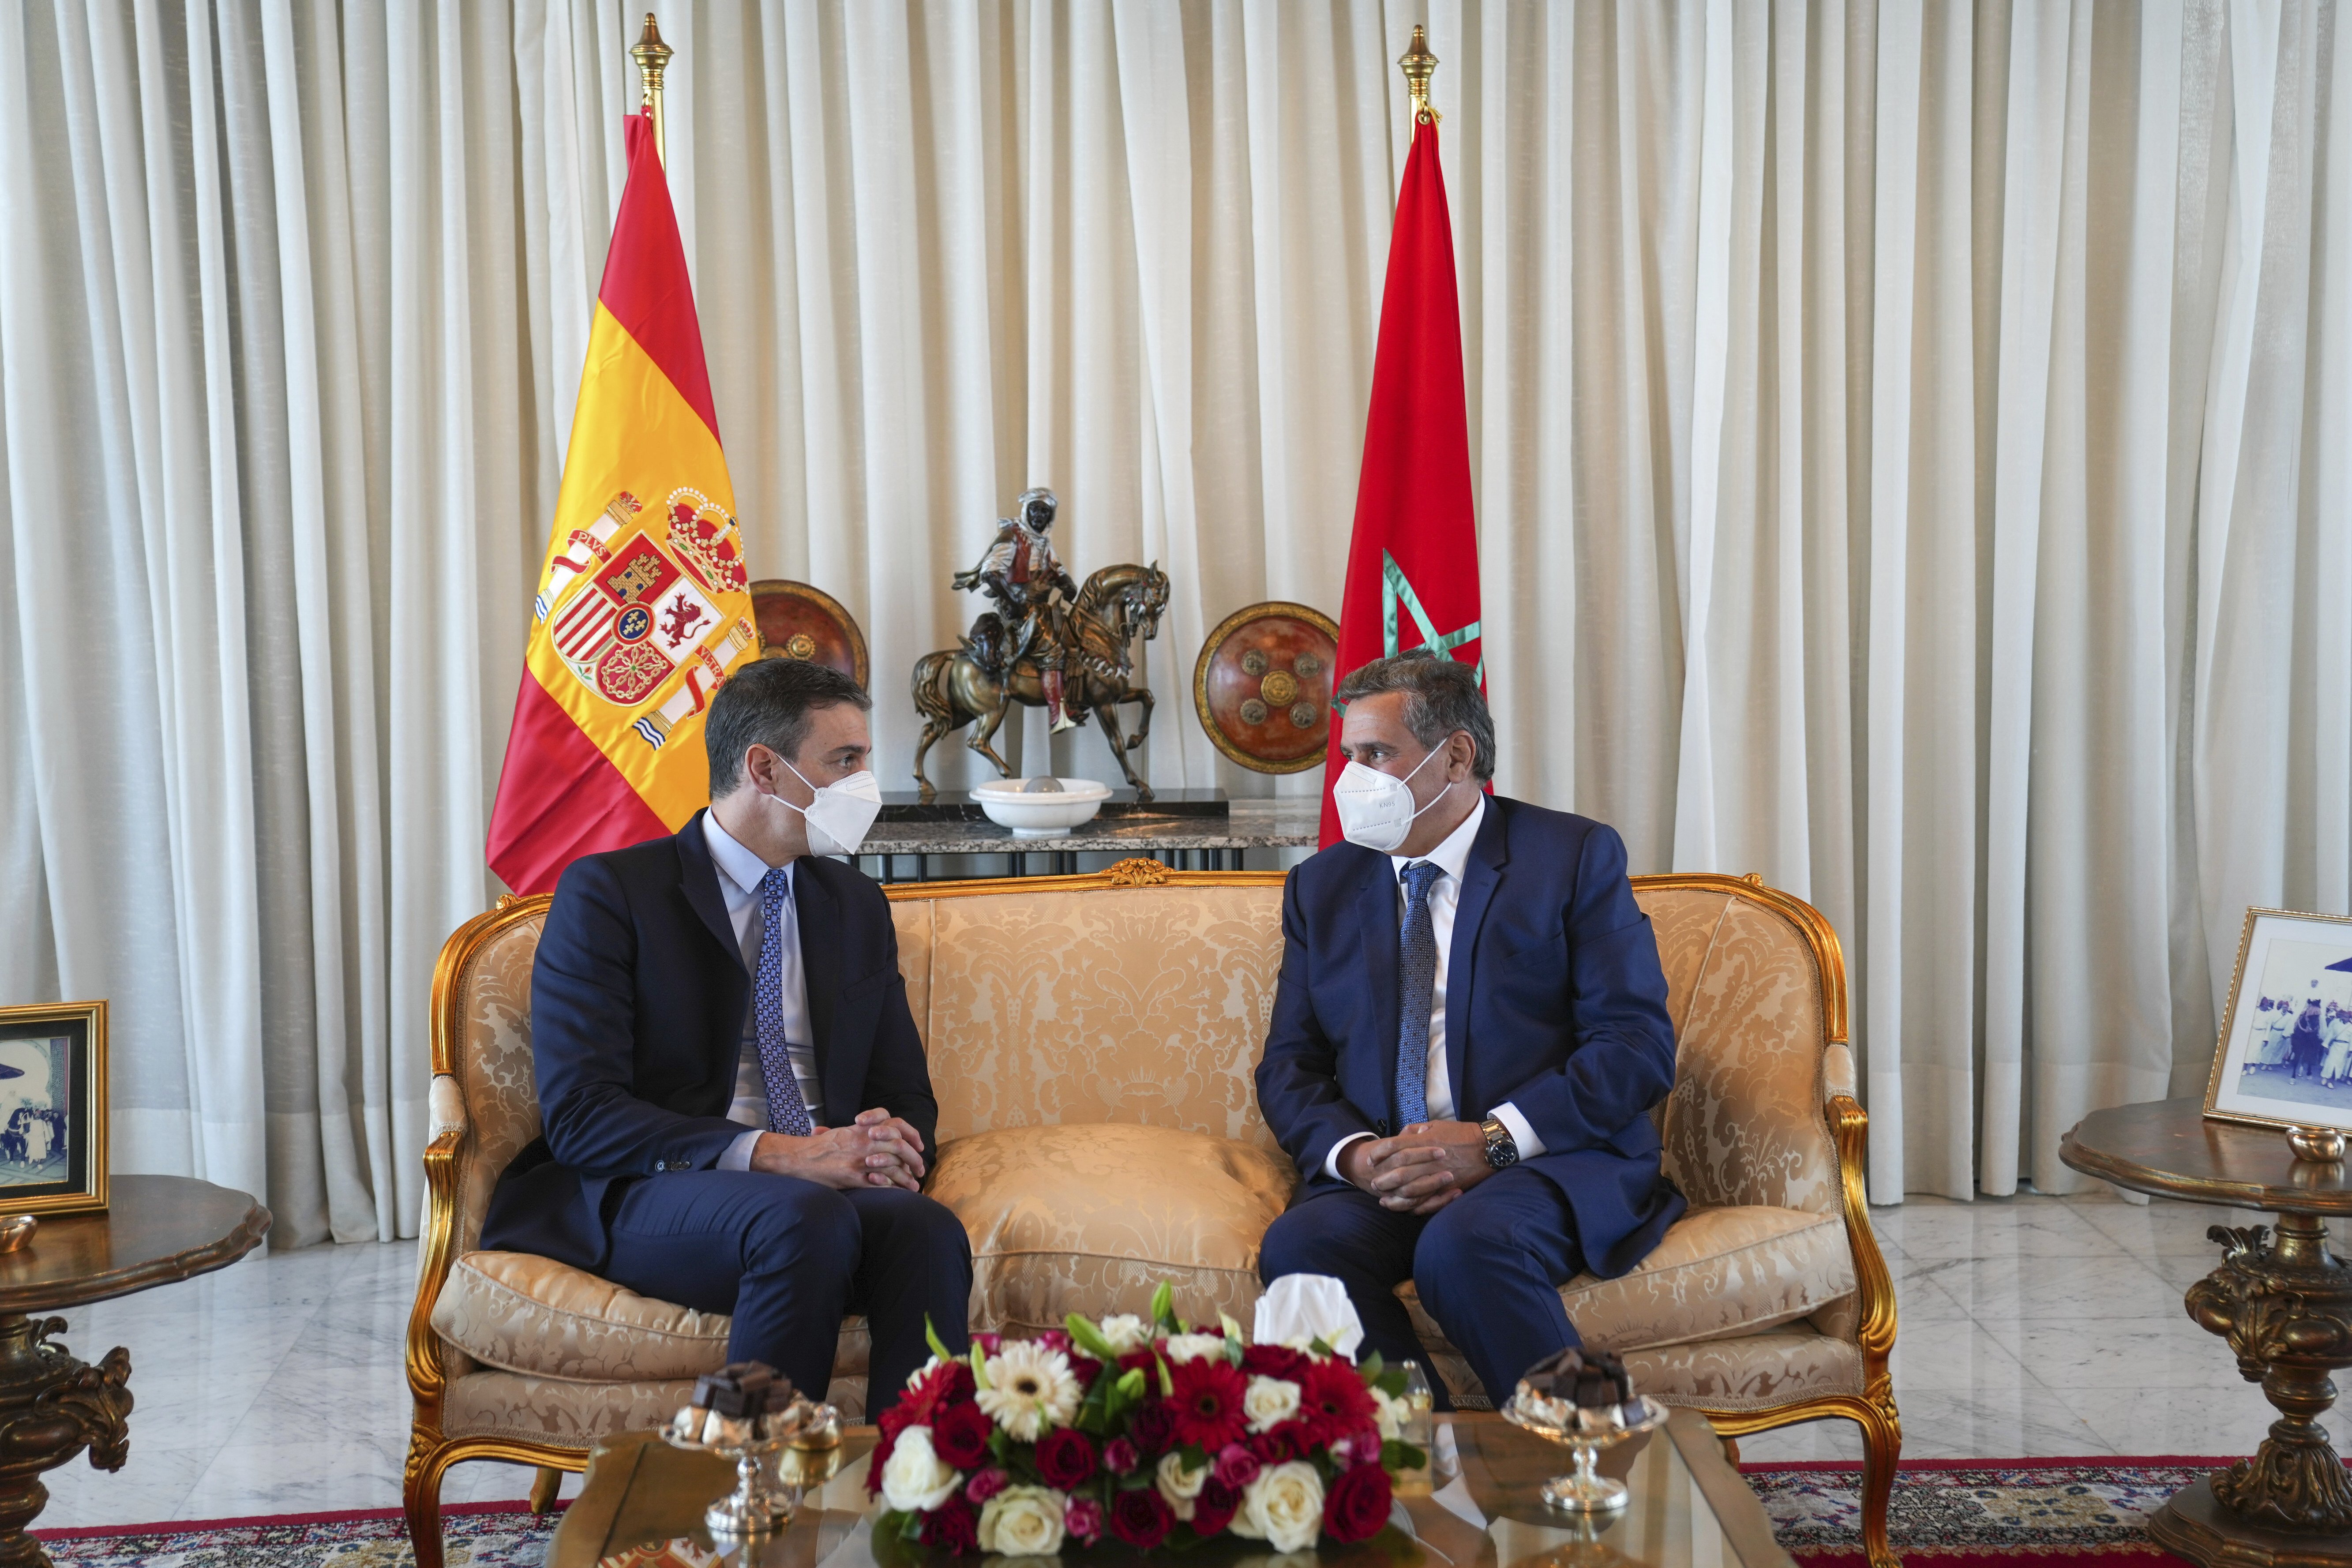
point(1910, 446)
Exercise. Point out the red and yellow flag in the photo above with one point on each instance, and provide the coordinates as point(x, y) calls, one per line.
point(643, 604)
point(1412, 565)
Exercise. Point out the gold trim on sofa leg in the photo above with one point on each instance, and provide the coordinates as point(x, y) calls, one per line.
point(1881, 1452)
point(543, 1488)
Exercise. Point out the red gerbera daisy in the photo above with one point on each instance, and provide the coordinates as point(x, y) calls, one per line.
point(948, 1384)
point(1204, 1406)
point(1332, 1403)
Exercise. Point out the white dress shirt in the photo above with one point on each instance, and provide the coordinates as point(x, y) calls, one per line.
point(1444, 897)
point(741, 872)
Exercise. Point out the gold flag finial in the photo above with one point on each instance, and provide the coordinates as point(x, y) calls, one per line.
point(653, 60)
point(1419, 65)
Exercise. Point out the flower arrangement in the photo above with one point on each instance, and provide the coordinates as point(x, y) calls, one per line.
point(1142, 1429)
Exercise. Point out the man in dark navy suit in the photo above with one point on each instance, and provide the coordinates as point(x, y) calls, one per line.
point(1469, 1031)
point(736, 1103)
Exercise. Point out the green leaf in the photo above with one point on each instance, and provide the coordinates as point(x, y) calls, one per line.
point(910, 1526)
point(1401, 1455)
point(931, 1337)
point(1089, 1339)
point(1319, 1348)
point(1190, 1457)
point(1371, 1369)
point(980, 1369)
point(1391, 1382)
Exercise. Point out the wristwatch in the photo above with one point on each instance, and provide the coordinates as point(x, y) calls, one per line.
point(1502, 1149)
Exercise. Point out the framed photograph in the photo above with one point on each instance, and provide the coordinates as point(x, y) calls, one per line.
point(53, 1108)
point(2286, 1054)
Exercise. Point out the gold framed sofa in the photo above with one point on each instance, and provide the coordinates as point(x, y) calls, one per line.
point(1092, 1042)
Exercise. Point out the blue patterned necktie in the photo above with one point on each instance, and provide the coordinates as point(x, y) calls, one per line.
point(787, 1111)
point(1416, 985)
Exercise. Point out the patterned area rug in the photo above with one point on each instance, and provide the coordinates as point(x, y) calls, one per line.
point(1981, 1513)
point(482, 1535)
point(1950, 1513)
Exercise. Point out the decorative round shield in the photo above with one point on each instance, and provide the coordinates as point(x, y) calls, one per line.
point(797, 621)
point(1263, 686)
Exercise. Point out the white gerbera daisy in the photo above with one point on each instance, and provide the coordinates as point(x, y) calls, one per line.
point(1029, 1389)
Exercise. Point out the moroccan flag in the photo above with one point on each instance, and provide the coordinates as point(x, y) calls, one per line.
point(643, 606)
point(1412, 568)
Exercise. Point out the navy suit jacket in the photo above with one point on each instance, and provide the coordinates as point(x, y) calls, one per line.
point(637, 999)
point(1554, 1002)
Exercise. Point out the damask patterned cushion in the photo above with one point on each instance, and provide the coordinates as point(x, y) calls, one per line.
point(523, 1408)
point(1137, 1005)
point(1718, 1273)
point(527, 1314)
point(1755, 1371)
point(494, 1075)
point(1091, 1218)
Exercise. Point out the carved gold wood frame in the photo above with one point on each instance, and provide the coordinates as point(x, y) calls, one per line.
point(1874, 1409)
point(89, 1101)
point(2230, 1028)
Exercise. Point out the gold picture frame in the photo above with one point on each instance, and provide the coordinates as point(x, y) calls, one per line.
point(2268, 1069)
point(53, 1135)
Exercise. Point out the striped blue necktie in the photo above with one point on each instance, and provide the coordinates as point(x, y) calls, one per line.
point(1416, 985)
point(787, 1111)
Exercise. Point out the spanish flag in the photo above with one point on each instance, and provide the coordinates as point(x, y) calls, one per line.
point(643, 606)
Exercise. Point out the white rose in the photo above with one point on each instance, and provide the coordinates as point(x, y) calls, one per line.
point(1269, 1400)
point(1394, 1413)
point(1124, 1332)
point(1021, 1522)
point(1283, 1507)
point(916, 1480)
point(1182, 1347)
point(1179, 1486)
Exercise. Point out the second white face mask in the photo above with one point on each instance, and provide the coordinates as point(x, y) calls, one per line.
point(842, 813)
point(1376, 809)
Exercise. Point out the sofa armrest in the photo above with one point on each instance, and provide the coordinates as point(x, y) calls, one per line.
point(436, 1248)
point(1873, 1286)
point(1837, 1072)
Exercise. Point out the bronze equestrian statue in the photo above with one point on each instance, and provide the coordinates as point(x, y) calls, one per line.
point(1049, 643)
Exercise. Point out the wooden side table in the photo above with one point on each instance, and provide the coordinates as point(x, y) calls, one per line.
point(155, 1230)
point(2284, 1303)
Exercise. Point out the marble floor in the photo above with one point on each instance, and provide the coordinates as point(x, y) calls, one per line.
point(2028, 1326)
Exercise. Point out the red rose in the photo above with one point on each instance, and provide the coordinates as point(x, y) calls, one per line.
point(1237, 1466)
point(1141, 1517)
point(948, 1384)
point(1215, 1507)
point(953, 1526)
point(1085, 1368)
point(1065, 1458)
point(1275, 1445)
point(1205, 1407)
point(1150, 1427)
point(959, 1435)
point(1332, 1403)
point(1357, 1505)
point(1273, 1361)
point(1119, 1457)
point(1083, 1518)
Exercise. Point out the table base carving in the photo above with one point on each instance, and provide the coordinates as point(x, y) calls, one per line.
point(51, 1408)
point(2285, 1307)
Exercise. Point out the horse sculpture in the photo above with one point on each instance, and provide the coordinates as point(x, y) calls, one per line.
point(956, 686)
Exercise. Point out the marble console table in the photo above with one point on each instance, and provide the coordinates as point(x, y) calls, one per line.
point(905, 851)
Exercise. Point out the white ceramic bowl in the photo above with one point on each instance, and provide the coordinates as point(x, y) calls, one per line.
point(1041, 816)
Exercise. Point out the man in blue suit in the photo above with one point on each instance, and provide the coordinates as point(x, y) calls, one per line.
point(1468, 1035)
point(736, 1103)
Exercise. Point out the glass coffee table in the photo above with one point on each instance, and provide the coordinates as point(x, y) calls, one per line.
point(641, 1507)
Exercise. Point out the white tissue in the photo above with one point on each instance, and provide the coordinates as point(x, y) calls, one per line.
point(1298, 1308)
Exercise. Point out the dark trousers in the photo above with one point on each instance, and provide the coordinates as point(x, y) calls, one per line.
point(789, 1259)
point(1488, 1266)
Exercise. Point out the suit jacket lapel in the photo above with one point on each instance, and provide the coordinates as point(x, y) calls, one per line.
point(698, 881)
point(1480, 875)
point(1376, 916)
point(819, 917)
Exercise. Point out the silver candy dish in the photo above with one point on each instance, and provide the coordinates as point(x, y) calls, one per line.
point(803, 1437)
point(1585, 1490)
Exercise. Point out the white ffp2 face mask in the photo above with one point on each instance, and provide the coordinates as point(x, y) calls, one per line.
point(1376, 809)
point(840, 816)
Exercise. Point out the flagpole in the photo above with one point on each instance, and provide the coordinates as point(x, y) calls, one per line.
point(1418, 64)
point(653, 59)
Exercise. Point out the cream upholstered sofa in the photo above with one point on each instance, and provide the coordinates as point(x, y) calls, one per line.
point(1092, 1041)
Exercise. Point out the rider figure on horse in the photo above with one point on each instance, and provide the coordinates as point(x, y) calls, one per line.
point(1033, 592)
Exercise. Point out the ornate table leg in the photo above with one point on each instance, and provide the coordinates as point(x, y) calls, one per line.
point(2286, 1311)
point(51, 1407)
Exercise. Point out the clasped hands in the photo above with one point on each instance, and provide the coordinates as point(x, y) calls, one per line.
point(877, 1149)
point(1422, 1169)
